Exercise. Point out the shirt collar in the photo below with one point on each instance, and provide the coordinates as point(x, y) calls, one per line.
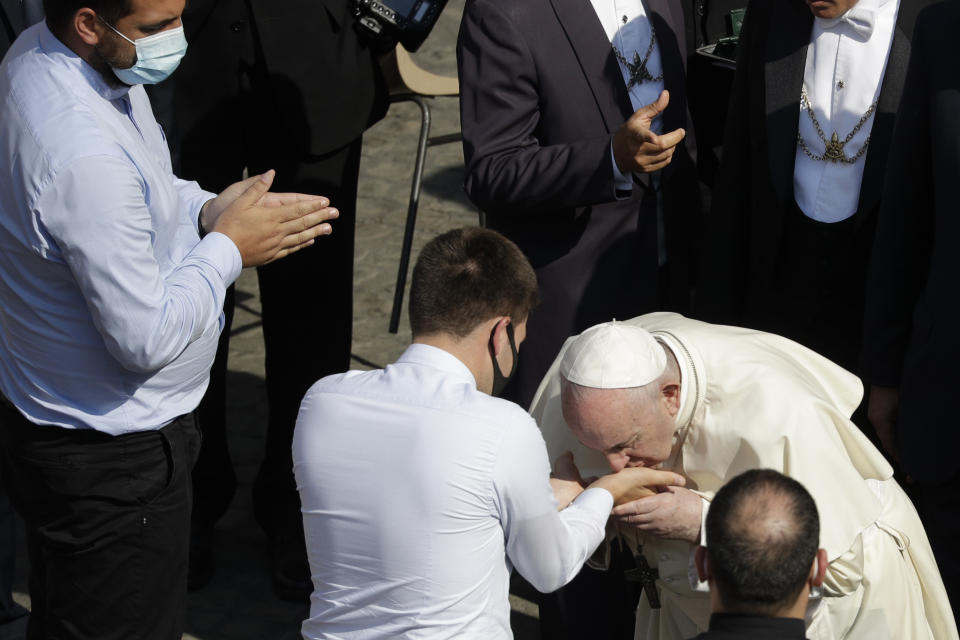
point(437, 358)
point(861, 18)
point(758, 626)
point(53, 47)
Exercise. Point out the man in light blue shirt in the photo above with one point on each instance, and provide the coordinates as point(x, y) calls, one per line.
point(110, 310)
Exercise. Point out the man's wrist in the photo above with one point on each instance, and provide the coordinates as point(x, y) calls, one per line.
point(200, 227)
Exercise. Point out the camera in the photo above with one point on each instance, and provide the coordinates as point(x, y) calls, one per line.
point(387, 22)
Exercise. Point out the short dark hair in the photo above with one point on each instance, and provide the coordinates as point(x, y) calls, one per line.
point(763, 533)
point(60, 12)
point(466, 276)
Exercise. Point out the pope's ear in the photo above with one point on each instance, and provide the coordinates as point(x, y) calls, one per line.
point(670, 393)
point(702, 563)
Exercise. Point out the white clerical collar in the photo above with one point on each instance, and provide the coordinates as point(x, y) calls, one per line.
point(687, 379)
point(860, 19)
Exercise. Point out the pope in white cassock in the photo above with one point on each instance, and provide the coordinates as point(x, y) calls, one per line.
point(711, 402)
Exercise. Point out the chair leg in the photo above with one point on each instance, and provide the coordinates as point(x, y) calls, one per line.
point(411, 212)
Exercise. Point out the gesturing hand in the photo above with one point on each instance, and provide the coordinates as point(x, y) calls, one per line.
point(636, 149)
point(673, 514)
point(267, 226)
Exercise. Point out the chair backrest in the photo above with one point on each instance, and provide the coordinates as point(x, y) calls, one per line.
point(404, 76)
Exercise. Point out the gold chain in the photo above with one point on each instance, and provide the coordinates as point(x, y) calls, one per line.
point(832, 150)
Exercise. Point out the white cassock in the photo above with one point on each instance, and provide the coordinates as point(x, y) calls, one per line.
point(755, 400)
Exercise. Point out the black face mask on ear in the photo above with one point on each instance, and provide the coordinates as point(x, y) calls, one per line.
point(499, 380)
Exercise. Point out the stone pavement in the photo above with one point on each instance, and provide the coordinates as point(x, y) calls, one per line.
point(239, 604)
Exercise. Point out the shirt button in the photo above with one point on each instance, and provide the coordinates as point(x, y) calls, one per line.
point(238, 26)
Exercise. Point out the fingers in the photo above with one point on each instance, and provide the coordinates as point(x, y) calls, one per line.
point(660, 478)
point(671, 139)
point(259, 185)
point(285, 252)
point(303, 214)
point(280, 199)
point(642, 509)
point(653, 109)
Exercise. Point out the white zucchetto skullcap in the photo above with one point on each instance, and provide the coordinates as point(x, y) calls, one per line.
point(613, 355)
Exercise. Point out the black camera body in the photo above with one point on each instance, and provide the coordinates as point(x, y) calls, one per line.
point(387, 22)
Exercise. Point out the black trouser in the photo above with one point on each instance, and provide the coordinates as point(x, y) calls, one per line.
point(595, 604)
point(107, 521)
point(10, 612)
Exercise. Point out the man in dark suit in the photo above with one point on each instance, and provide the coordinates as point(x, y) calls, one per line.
point(300, 71)
point(911, 345)
point(762, 558)
point(543, 95)
point(574, 153)
point(798, 189)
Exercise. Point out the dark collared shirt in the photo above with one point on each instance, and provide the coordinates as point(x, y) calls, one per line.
point(727, 626)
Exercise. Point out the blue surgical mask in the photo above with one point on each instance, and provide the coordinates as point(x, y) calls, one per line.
point(158, 55)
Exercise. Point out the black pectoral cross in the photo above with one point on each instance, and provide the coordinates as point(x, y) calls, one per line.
point(647, 577)
point(638, 70)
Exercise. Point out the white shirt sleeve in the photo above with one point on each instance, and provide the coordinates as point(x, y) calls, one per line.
point(193, 197)
point(547, 547)
point(146, 317)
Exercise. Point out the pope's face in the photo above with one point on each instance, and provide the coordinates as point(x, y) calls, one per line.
point(625, 425)
point(830, 9)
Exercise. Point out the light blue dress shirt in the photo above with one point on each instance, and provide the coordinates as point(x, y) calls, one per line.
point(110, 304)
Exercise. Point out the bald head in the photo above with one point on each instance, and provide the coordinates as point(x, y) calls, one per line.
point(763, 532)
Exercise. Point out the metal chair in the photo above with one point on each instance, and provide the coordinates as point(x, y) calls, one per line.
point(409, 83)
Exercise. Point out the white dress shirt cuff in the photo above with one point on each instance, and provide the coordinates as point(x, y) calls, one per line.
point(219, 251)
point(193, 197)
point(622, 182)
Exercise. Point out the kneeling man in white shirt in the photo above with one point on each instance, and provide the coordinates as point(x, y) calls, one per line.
point(420, 489)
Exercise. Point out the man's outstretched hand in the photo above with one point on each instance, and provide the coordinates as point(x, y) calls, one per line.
point(637, 149)
point(267, 226)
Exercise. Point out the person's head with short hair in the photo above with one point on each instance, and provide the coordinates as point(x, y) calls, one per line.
point(103, 32)
point(60, 13)
point(620, 394)
point(471, 293)
point(762, 555)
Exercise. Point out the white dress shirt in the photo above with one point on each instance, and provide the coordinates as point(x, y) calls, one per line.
point(844, 71)
point(110, 304)
point(419, 494)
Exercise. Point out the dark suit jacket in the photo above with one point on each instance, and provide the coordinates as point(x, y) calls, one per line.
point(325, 83)
point(11, 23)
point(541, 97)
point(913, 308)
point(754, 187)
